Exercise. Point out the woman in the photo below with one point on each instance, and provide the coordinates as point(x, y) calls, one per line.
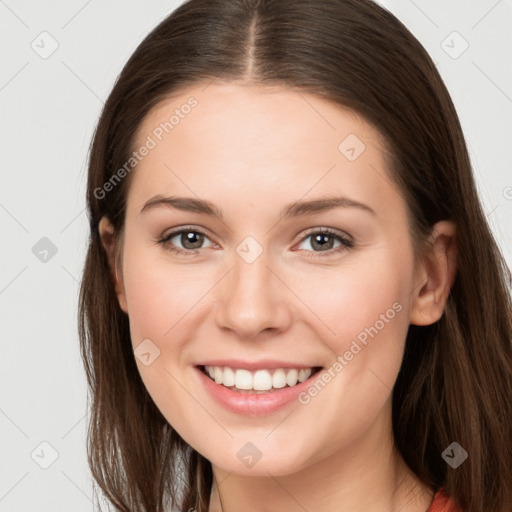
point(291, 299)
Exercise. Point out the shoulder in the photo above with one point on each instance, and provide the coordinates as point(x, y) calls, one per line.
point(443, 503)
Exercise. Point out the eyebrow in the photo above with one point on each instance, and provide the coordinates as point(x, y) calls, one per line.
point(295, 209)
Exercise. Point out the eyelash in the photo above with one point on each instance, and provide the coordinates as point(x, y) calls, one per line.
point(346, 243)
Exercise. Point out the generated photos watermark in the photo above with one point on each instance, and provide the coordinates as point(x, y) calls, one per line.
point(151, 142)
point(344, 359)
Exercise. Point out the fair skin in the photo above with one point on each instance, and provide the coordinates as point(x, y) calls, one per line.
point(251, 151)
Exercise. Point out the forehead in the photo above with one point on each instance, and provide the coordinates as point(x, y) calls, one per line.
point(225, 140)
point(273, 114)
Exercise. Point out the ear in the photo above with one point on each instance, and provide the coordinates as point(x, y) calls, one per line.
point(108, 240)
point(435, 276)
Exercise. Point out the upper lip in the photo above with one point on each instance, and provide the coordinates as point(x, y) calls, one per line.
point(254, 365)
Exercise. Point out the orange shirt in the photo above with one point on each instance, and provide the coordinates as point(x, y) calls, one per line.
point(442, 503)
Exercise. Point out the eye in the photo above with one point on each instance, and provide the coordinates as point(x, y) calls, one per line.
point(191, 240)
point(324, 241)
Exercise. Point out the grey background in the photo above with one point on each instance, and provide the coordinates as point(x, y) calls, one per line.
point(49, 110)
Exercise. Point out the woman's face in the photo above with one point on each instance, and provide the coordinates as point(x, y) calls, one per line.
point(272, 278)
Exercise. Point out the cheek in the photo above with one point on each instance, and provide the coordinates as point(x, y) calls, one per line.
point(364, 315)
point(358, 295)
point(161, 300)
point(160, 295)
point(363, 311)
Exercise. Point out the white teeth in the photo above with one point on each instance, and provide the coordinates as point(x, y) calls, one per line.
point(218, 375)
point(243, 379)
point(291, 377)
point(279, 379)
point(260, 380)
point(304, 374)
point(228, 377)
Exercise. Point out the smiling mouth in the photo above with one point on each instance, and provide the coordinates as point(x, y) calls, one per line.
point(258, 381)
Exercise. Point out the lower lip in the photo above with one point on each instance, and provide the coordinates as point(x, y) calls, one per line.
point(253, 404)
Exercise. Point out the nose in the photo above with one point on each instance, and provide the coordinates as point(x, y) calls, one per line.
point(252, 299)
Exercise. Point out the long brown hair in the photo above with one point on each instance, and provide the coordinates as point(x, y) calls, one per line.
point(455, 383)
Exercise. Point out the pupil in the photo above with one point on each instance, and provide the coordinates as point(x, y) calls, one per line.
point(322, 241)
point(191, 238)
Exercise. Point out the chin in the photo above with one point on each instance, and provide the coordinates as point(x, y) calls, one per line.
point(248, 461)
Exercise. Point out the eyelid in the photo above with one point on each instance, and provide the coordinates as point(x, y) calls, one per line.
point(330, 231)
point(181, 229)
